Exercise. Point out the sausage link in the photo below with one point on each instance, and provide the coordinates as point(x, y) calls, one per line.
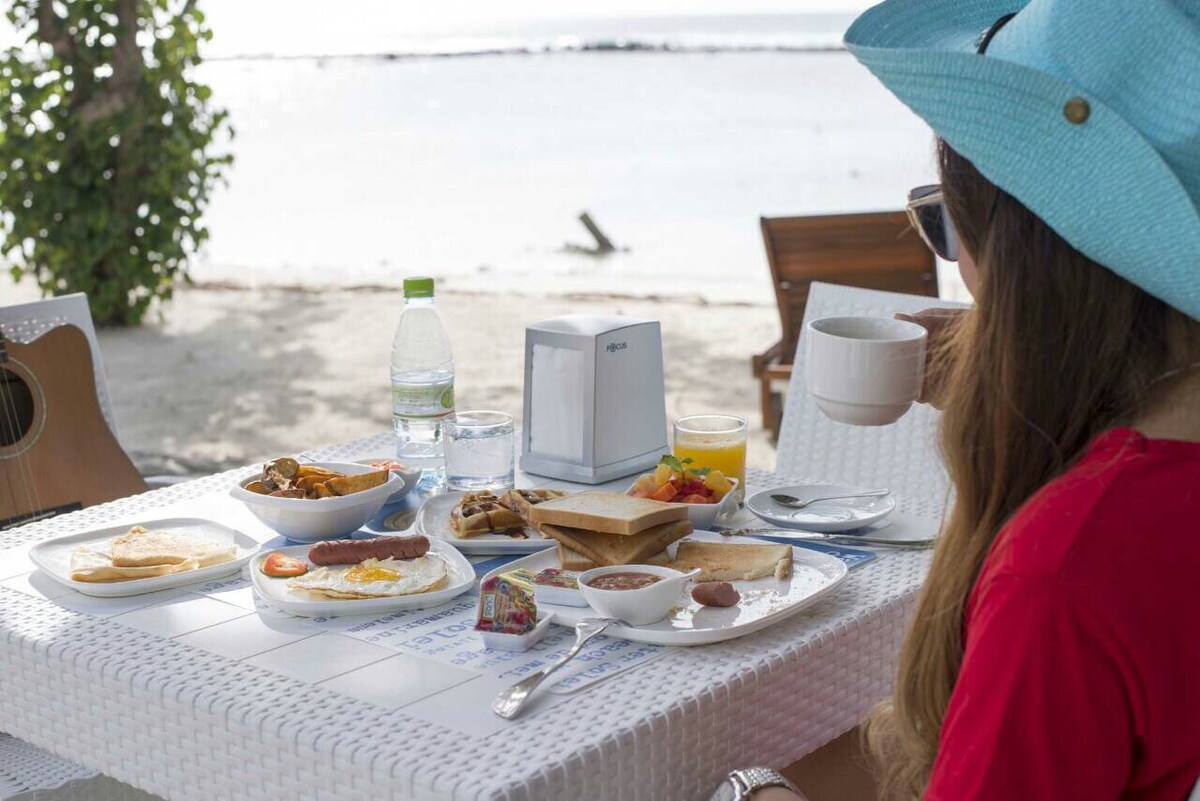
point(716, 593)
point(349, 552)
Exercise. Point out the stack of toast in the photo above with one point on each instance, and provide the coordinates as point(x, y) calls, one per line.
point(596, 529)
point(601, 529)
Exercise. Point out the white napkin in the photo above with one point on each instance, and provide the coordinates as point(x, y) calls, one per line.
point(556, 403)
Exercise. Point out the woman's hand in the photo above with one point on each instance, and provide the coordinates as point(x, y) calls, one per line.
point(940, 323)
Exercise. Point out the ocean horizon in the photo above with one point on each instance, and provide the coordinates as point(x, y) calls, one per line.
point(692, 33)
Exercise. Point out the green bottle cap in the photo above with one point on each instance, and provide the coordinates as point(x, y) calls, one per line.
point(418, 287)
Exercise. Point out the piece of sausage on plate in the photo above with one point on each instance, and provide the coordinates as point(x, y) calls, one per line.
point(716, 593)
point(350, 552)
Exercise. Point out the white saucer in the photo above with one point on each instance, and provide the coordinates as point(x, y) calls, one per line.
point(825, 516)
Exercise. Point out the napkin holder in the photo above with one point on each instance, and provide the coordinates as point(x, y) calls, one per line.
point(594, 401)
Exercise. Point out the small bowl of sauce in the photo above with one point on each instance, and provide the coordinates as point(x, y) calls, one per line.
point(637, 594)
point(625, 580)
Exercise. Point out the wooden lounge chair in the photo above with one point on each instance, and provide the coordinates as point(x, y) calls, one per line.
point(873, 251)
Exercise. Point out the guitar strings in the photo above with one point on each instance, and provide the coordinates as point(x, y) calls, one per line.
point(8, 473)
point(23, 462)
point(23, 469)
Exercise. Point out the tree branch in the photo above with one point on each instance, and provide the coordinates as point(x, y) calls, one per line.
point(51, 31)
point(122, 90)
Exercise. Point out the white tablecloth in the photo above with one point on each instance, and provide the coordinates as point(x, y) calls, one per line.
point(185, 723)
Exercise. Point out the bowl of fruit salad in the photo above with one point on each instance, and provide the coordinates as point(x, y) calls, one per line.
point(707, 494)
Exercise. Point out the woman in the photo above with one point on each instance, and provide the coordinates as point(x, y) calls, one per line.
point(1055, 651)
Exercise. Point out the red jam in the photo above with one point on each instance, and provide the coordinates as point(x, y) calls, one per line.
point(623, 581)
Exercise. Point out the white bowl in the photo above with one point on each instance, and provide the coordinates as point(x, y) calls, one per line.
point(638, 607)
point(308, 520)
point(703, 516)
point(499, 641)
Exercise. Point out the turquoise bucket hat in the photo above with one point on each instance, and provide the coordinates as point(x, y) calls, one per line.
point(1087, 111)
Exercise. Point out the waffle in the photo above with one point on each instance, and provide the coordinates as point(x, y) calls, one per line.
point(522, 500)
point(482, 513)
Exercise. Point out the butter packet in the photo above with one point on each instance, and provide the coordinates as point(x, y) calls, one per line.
point(554, 577)
point(507, 604)
point(561, 587)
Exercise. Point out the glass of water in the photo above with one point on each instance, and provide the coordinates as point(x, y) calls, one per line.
point(479, 450)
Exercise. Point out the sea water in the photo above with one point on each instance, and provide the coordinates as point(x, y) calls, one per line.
point(475, 167)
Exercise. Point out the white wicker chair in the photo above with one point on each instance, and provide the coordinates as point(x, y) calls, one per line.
point(26, 771)
point(904, 455)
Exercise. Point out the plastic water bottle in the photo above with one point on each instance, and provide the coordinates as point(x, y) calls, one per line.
point(422, 381)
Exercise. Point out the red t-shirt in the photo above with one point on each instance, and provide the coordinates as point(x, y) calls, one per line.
point(1081, 676)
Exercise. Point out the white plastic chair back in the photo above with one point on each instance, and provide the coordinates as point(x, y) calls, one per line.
point(26, 322)
point(27, 771)
point(902, 456)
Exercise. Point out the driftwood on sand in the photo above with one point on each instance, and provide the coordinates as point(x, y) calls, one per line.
point(603, 246)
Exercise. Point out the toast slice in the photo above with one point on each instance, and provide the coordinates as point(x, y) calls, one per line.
point(573, 560)
point(140, 547)
point(606, 512)
point(610, 549)
point(727, 561)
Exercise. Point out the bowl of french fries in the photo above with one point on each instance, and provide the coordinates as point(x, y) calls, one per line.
point(313, 501)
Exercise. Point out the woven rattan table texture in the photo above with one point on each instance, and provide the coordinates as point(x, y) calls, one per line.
point(187, 724)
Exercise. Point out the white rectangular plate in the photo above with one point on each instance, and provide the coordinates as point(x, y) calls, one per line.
point(460, 577)
point(433, 520)
point(764, 601)
point(53, 557)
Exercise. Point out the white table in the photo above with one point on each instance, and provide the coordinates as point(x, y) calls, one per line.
point(155, 706)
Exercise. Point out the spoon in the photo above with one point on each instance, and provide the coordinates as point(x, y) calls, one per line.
point(510, 702)
point(792, 502)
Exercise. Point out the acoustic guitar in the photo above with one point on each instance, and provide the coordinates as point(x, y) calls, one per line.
point(57, 454)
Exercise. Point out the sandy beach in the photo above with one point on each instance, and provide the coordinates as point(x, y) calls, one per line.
point(232, 376)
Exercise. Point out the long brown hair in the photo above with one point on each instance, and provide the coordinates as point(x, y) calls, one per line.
point(1056, 349)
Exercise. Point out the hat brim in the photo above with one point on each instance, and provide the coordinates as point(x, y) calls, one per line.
point(1099, 184)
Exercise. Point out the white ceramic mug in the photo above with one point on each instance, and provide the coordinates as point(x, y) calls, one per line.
point(865, 371)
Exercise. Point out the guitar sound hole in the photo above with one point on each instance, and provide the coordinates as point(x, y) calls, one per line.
point(16, 408)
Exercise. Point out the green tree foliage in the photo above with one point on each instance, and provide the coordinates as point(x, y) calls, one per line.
point(107, 149)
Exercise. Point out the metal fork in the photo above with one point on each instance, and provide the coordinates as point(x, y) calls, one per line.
point(509, 703)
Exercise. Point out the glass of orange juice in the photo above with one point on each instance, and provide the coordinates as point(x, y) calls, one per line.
point(715, 441)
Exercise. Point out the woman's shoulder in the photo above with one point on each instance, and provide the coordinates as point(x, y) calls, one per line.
point(1128, 500)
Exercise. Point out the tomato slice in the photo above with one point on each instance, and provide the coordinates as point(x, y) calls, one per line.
point(278, 565)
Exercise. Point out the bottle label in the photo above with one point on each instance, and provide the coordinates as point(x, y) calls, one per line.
point(422, 400)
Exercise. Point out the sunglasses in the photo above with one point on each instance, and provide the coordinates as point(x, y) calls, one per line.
point(927, 212)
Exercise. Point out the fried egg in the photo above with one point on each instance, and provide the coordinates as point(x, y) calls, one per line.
point(374, 578)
